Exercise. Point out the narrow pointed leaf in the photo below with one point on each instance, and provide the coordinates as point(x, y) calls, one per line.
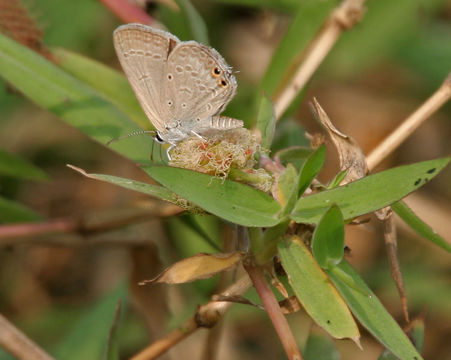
point(12, 165)
point(184, 21)
point(232, 201)
point(109, 83)
point(112, 344)
point(194, 20)
point(266, 122)
point(200, 266)
point(419, 225)
point(72, 100)
point(13, 212)
point(368, 194)
point(314, 290)
point(311, 168)
point(373, 316)
point(89, 333)
point(149, 189)
point(329, 238)
point(337, 179)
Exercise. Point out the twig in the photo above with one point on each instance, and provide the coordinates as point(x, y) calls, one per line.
point(206, 316)
point(403, 131)
point(274, 312)
point(391, 244)
point(18, 344)
point(344, 17)
point(127, 12)
point(85, 225)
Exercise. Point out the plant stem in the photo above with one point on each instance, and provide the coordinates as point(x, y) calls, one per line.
point(91, 224)
point(274, 312)
point(344, 17)
point(127, 12)
point(18, 344)
point(403, 131)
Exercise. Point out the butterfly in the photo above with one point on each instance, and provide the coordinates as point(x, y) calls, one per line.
point(182, 86)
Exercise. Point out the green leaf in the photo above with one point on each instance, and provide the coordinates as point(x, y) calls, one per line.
point(185, 22)
point(419, 226)
point(373, 316)
point(295, 155)
point(319, 347)
point(87, 338)
point(289, 134)
point(112, 345)
point(14, 212)
point(370, 193)
point(190, 221)
point(149, 189)
point(109, 83)
point(232, 201)
point(195, 22)
point(69, 98)
point(329, 238)
point(266, 247)
point(287, 187)
point(266, 121)
point(314, 290)
point(12, 165)
point(338, 179)
point(310, 169)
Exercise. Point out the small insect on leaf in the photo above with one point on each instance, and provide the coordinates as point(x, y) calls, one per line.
point(200, 266)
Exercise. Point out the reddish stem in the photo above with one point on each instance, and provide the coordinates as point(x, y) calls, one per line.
point(127, 12)
point(273, 309)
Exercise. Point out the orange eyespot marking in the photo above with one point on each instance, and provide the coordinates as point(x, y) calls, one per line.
point(215, 72)
point(223, 83)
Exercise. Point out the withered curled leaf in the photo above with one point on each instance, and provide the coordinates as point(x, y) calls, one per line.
point(200, 266)
point(350, 155)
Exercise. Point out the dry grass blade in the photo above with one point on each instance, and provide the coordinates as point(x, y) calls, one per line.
point(403, 131)
point(18, 344)
point(344, 17)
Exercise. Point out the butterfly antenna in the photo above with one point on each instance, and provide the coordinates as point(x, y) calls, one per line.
point(134, 133)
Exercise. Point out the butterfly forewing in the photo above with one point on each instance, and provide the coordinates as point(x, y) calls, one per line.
point(142, 52)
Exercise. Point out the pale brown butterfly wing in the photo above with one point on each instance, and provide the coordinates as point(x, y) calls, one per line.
point(198, 84)
point(142, 52)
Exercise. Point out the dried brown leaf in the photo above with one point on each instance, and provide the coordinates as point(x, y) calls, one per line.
point(290, 305)
point(200, 266)
point(350, 154)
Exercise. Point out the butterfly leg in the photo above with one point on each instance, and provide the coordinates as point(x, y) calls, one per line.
point(171, 146)
point(198, 135)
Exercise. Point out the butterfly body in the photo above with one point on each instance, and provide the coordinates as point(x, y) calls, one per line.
point(182, 86)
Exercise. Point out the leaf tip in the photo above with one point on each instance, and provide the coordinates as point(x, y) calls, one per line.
point(357, 342)
point(80, 170)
